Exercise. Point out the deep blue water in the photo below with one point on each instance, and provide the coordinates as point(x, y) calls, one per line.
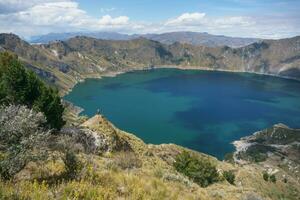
point(202, 110)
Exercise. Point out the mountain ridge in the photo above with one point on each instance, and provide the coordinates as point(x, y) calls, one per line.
point(194, 38)
point(64, 63)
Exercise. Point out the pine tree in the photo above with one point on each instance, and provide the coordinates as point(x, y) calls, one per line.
point(50, 104)
point(14, 80)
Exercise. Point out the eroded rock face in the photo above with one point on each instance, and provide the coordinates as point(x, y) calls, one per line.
point(106, 138)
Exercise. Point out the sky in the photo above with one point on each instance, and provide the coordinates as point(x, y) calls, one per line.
point(270, 19)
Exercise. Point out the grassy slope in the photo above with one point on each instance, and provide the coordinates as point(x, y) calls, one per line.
point(144, 172)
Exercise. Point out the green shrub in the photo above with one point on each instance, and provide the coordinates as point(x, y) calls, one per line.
point(229, 176)
point(266, 176)
point(49, 103)
point(200, 170)
point(273, 178)
point(72, 165)
point(19, 86)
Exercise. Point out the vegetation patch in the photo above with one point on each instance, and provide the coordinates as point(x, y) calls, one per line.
point(268, 177)
point(229, 176)
point(200, 170)
point(22, 139)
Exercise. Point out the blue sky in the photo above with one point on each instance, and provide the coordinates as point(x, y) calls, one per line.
point(154, 10)
point(244, 18)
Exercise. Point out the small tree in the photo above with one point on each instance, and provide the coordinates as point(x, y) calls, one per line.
point(49, 103)
point(229, 176)
point(266, 176)
point(273, 178)
point(200, 170)
point(72, 165)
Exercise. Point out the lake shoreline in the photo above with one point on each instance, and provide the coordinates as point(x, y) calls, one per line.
point(116, 73)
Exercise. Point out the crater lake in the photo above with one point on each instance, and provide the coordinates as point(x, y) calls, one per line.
point(202, 110)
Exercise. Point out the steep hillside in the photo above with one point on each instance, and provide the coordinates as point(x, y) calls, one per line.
point(113, 164)
point(64, 63)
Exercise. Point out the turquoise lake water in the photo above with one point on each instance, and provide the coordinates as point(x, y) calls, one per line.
point(201, 110)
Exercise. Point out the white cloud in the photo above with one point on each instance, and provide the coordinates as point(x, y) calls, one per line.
point(10, 6)
point(233, 21)
point(272, 27)
point(108, 20)
point(47, 16)
point(106, 10)
point(27, 18)
point(186, 19)
point(200, 19)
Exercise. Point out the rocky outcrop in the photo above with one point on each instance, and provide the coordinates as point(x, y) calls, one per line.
point(275, 146)
point(106, 137)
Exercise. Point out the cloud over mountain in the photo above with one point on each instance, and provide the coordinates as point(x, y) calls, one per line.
point(50, 15)
point(36, 17)
point(187, 19)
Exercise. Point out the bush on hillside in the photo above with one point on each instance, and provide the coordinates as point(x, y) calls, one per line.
point(266, 176)
point(22, 139)
point(200, 170)
point(229, 176)
point(19, 86)
point(273, 178)
point(72, 165)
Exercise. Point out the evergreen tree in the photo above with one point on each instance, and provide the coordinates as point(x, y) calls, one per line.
point(49, 103)
point(32, 88)
point(13, 78)
point(20, 86)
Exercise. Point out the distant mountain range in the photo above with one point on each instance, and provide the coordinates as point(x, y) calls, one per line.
point(64, 63)
point(194, 38)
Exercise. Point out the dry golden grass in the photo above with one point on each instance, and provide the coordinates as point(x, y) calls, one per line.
point(144, 172)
